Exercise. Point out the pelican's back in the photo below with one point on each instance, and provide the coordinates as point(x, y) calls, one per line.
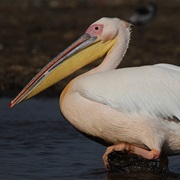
point(152, 90)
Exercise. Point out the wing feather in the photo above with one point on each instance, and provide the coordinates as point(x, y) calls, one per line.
point(154, 90)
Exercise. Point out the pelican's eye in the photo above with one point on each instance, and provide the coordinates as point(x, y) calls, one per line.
point(96, 28)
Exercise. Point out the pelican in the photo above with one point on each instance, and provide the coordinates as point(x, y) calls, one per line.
point(131, 109)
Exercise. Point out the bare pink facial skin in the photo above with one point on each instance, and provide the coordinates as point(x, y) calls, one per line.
point(95, 30)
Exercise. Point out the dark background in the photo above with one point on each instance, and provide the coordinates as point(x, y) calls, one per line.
point(32, 32)
point(35, 141)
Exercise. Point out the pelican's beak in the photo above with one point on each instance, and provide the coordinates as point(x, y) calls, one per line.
point(83, 51)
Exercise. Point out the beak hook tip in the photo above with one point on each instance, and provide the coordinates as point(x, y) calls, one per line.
point(11, 104)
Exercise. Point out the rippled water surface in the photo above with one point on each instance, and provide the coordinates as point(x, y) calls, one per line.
point(37, 143)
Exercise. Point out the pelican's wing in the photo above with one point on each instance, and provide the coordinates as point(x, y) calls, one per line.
point(154, 90)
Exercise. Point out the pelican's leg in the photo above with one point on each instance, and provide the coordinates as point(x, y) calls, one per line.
point(153, 154)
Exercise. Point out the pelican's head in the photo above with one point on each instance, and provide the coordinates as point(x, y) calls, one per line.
point(107, 29)
point(98, 39)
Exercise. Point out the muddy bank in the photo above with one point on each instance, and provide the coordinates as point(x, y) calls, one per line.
point(33, 32)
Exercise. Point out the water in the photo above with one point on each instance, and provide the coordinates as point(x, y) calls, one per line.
point(37, 143)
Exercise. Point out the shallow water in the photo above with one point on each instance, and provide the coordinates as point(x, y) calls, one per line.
point(37, 143)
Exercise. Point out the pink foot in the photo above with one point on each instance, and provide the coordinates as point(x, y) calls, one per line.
point(153, 154)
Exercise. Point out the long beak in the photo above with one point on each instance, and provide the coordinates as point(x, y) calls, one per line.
point(83, 51)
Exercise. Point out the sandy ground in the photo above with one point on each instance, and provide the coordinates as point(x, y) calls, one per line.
point(33, 32)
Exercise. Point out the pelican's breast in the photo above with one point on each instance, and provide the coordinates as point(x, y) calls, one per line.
point(104, 105)
point(99, 121)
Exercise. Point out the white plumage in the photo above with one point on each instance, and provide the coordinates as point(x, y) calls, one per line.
point(153, 90)
point(133, 109)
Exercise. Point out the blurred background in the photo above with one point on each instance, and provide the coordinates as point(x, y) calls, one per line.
point(35, 141)
point(32, 32)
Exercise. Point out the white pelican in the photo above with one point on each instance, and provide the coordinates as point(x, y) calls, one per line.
point(133, 109)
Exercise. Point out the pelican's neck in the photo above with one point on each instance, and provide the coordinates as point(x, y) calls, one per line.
point(116, 54)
